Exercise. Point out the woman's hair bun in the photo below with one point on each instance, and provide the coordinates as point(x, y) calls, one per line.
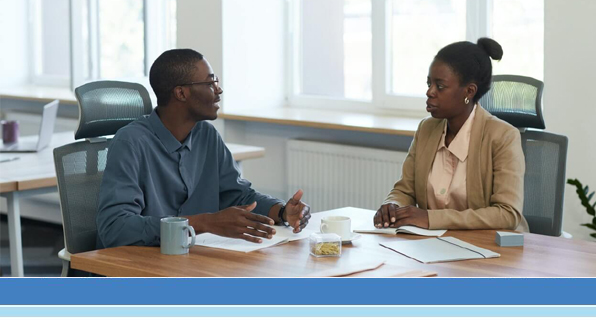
point(491, 47)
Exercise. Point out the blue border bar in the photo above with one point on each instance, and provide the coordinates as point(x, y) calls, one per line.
point(297, 291)
point(308, 311)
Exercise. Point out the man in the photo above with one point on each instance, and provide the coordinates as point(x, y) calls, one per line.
point(174, 163)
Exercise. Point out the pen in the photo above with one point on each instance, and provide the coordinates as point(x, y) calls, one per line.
point(9, 159)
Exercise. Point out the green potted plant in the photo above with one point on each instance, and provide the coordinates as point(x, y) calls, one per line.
point(585, 196)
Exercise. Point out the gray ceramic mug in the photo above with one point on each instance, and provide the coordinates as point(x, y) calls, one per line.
point(174, 235)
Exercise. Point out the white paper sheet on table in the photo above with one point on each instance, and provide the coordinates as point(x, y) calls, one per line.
point(289, 233)
point(282, 235)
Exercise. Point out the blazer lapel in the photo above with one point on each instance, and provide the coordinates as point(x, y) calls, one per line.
point(474, 178)
point(425, 161)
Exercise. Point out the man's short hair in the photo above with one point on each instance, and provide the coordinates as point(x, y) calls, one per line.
point(170, 69)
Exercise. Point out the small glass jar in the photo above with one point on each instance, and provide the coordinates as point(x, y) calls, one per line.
point(325, 245)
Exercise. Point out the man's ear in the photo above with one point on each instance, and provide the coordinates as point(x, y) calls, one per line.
point(471, 90)
point(180, 93)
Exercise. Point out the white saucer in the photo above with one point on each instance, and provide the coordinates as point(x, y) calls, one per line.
point(353, 236)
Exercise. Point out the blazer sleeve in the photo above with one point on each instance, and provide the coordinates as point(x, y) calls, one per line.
point(506, 201)
point(403, 192)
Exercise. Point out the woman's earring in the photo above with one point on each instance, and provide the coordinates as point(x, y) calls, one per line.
point(466, 100)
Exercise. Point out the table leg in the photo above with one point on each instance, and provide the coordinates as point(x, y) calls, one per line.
point(14, 234)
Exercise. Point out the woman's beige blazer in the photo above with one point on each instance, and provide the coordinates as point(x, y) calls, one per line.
point(494, 176)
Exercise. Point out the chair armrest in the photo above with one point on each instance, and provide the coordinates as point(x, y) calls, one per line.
point(64, 255)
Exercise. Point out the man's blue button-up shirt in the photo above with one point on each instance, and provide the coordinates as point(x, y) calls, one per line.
point(150, 175)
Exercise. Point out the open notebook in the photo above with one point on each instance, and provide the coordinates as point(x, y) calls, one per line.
point(404, 229)
point(439, 250)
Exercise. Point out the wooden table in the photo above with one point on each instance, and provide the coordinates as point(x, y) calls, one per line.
point(541, 256)
point(34, 173)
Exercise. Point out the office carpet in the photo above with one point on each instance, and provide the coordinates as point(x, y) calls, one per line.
point(41, 243)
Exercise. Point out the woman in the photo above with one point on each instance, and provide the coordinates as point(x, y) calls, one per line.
point(465, 167)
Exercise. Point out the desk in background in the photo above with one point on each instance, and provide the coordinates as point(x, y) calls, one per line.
point(541, 256)
point(34, 174)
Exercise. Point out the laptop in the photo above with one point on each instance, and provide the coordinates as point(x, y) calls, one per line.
point(46, 130)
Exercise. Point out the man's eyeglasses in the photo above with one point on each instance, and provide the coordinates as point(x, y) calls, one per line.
point(213, 83)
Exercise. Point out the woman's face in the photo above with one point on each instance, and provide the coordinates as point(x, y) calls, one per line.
point(445, 93)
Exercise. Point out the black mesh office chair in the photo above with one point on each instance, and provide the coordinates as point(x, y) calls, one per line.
point(518, 100)
point(104, 107)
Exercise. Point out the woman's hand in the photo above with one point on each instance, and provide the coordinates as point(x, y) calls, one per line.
point(392, 216)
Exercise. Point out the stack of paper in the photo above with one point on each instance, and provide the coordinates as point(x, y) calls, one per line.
point(439, 250)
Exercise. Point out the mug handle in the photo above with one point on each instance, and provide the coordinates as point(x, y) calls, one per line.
point(192, 233)
point(324, 228)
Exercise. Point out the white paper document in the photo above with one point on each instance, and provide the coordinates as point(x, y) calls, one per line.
point(439, 250)
point(282, 235)
point(288, 232)
point(404, 229)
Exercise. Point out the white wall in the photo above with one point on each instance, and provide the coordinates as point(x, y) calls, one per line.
point(199, 27)
point(13, 42)
point(245, 48)
point(569, 67)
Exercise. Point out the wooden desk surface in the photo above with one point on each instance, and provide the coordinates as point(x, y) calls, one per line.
point(541, 256)
point(36, 170)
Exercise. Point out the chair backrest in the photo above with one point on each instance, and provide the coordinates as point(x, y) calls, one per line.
point(515, 99)
point(544, 181)
point(105, 107)
point(79, 170)
point(518, 100)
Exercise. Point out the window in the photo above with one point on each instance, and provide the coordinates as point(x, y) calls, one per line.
point(373, 55)
point(336, 56)
point(523, 51)
point(121, 35)
point(412, 46)
point(76, 41)
point(50, 62)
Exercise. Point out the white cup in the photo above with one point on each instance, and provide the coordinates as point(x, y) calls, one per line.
point(342, 226)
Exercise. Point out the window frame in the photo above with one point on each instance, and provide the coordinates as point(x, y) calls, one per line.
point(156, 40)
point(478, 24)
point(35, 56)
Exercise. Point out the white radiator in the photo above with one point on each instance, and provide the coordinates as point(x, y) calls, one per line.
point(334, 176)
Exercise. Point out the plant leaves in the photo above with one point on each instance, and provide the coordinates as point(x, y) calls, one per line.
point(593, 235)
point(591, 195)
point(589, 225)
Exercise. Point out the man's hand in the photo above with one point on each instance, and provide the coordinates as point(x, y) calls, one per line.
point(297, 213)
point(235, 222)
point(393, 216)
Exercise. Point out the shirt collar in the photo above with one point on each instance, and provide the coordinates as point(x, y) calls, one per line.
point(460, 144)
point(166, 137)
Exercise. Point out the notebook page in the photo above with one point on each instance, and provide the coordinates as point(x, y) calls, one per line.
point(404, 229)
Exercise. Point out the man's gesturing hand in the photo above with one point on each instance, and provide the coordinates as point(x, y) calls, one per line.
point(236, 222)
point(297, 212)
